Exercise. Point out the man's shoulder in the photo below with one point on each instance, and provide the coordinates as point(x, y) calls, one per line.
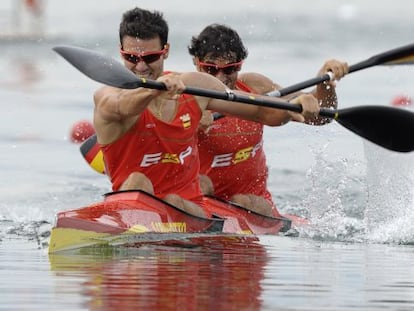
point(257, 82)
point(253, 77)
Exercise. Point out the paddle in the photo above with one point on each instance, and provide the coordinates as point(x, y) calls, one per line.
point(403, 55)
point(382, 125)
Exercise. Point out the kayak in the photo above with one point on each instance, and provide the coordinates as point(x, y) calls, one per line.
point(134, 218)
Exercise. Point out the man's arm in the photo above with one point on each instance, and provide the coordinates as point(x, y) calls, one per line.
point(325, 92)
point(265, 115)
point(116, 110)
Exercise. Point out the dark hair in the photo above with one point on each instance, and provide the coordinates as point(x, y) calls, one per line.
point(143, 24)
point(217, 41)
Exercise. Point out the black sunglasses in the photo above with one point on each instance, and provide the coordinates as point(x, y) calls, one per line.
point(146, 57)
point(214, 69)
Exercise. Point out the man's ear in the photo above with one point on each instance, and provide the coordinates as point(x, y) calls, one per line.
point(196, 62)
point(166, 47)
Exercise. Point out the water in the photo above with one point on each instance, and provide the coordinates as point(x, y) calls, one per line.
point(356, 255)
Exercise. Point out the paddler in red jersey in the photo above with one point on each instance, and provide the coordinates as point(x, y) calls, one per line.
point(149, 137)
point(231, 149)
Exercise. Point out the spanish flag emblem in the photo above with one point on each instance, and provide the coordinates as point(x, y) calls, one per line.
point(186, 119)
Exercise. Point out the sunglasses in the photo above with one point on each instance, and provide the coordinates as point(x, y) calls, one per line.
point(146, 57)
point(214, 69)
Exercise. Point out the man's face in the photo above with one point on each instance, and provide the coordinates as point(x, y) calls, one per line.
point(145, 58)
point(224, 68)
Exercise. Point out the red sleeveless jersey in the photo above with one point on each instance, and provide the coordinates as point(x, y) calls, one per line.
point(166, 152)
point(232, 155)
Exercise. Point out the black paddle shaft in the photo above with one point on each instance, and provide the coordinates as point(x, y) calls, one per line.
point(392, 57)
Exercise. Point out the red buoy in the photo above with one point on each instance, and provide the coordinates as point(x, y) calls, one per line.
point(401, 100)
point(81, 131)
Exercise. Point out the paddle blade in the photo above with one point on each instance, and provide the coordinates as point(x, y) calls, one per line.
point(403, 55)
point(98, 67)
point(385, 126)
point(407, 60)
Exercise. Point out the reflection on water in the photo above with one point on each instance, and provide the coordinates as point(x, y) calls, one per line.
point(221, 275)
point(277, 273)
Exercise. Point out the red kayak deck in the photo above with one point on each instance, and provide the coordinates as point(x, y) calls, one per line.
point(122, 211)
point(241, 220)
point(137, 212)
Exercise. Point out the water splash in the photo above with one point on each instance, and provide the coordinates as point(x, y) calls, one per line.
point(37, 231)
point(397, 231)
point(389, 213)
point(354, 201)
point(33, 225)
point(335, 202)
